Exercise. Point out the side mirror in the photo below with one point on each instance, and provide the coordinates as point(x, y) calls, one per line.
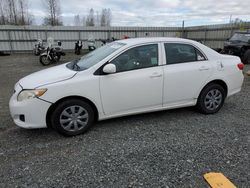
point(109, 68)
point(249, 41)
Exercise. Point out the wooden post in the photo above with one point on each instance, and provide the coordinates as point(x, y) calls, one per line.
point(135, 34)
point(10, 41)
point(109, 34)
point(46, 35)
point(205, 38)
point(183, 28)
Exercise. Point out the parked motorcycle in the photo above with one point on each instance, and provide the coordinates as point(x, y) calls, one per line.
point(52, 55)
point(106, 41)
point(39, 47)
point(91, 44)
point(78, 47)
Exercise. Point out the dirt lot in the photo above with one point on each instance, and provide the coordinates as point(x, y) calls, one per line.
point(164, 149)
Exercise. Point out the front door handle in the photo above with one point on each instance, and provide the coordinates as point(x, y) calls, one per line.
point(203, 68)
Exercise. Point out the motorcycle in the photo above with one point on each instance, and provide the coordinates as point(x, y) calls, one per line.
point(39, 47)
point(78, 47)
point(52, 55)
point(91, 44)
point(106, 41)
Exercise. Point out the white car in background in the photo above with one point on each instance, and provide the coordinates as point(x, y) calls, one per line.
point(126, 77)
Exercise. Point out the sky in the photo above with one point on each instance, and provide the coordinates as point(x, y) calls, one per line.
point(156, 13)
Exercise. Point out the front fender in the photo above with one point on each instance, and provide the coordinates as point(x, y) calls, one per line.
point(44, 54)
point(83, 84)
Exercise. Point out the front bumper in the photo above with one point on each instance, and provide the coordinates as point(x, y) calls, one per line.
point(29, 114)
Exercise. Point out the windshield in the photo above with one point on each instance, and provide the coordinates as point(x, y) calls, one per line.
point(95, 56)
point(240, 37)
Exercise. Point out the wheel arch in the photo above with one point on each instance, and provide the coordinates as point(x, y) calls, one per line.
point(219, 82)
point(54, 105)
point(245, 47)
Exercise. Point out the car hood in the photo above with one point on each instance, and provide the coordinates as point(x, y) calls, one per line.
point(235, 43)
point(47, 76)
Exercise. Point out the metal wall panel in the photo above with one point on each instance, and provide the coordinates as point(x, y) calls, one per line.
point(121, 34)
point(63, 35)
point(5, 46)
point(85, 35)
point(4, 35)
point(20, 38)
point(34, 35)
point(171, 34)
point(25, 46)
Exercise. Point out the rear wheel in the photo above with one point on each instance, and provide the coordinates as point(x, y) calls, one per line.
point(211, 99)
point(57, 58)
point(72, 117)
point(246, 57)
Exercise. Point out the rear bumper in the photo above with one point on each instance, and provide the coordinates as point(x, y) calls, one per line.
point(233, 92)
point(236, 82)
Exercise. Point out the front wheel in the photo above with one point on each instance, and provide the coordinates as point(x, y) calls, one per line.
point(72, 117)
point(211, 99)
point(44, 60)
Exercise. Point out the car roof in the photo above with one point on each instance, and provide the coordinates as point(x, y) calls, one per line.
point(133, 41)
point(211, 54)
point(243, 32)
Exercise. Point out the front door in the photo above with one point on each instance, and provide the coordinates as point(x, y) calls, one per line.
point(137, 83)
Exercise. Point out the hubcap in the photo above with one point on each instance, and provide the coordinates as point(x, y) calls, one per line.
point(74, 118)
point(213, 99)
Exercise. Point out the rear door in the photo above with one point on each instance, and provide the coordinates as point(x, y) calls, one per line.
point(185, 72)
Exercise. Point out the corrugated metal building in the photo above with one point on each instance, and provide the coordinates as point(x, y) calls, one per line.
point(23, 38)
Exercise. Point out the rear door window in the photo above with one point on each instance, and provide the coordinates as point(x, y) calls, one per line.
point(182, 53)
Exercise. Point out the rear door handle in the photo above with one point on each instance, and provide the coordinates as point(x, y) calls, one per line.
point(156, 75)
point(203, 68)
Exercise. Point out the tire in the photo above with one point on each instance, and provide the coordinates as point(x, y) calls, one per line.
point(58, 58)
point(211, 99)
point(246, 57)
point(72, 117)
point(44, 61)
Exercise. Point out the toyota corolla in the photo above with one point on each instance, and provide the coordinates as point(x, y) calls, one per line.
point(123, 78)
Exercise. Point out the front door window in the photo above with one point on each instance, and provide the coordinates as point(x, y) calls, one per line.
point(137, 58)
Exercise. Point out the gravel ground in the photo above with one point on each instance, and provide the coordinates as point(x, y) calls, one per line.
point(164, 149)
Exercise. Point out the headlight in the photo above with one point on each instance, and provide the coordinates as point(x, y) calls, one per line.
point(29, 94)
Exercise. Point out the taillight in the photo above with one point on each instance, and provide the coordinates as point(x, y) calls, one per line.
point(241, 66)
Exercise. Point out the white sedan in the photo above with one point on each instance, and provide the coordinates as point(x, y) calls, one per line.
point(126, 77)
